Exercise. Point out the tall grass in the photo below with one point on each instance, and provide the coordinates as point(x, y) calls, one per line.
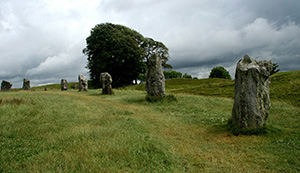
point(75, 131)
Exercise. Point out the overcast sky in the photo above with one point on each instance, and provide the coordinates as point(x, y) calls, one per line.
point(43, 40)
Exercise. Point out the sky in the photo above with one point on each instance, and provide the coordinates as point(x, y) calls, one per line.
point(43, 40)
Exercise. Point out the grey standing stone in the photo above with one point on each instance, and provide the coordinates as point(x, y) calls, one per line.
point(251, 98)
point(64, 84)
point(155, 79)
point(106, 80)
point(83, 83)
point(26, 84)
point(5, 85)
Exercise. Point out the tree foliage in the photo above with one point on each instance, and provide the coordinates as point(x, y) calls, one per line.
point(275, 68)
point(219, 72)
point(152, 47)
point(187, 76)
point(171, 74)
point(120, 51)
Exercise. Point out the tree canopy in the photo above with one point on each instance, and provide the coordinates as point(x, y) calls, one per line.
point(219, 72)
point(120, 51)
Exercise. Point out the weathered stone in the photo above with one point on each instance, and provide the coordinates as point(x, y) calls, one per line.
point(5, 85)
point(26, 84)
point(106, 80)
point(251, 98)
point(155, 80)
point(83, 83)
point(64, 84)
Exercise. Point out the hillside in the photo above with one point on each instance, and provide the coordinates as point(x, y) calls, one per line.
point(285, 86)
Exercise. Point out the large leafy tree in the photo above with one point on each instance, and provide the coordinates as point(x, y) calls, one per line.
point(120, 51)
point(152, 47)
point(219, 72)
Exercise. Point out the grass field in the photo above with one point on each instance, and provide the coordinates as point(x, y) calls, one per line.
point(70, 131)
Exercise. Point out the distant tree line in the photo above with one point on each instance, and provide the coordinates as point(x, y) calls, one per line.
point(221, 72)
point(169, 74)
point(172, 74)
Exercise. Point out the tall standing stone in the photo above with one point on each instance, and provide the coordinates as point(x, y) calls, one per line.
point(106, 80)
point(251, 98)
point(5, 85)
point(83, 83)
point(26, 84)
point(64, 84)
point(155, 79)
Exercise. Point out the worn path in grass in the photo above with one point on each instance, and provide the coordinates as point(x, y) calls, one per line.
point(85, 131)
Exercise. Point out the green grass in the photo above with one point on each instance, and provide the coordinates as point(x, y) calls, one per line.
point(285, 86)
point(54, 86)
point(209, 87)
point(71, 131)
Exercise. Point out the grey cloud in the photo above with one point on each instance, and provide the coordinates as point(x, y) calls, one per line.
point(43, 40)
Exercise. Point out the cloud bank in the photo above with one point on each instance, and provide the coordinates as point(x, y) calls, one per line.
point(43, 40)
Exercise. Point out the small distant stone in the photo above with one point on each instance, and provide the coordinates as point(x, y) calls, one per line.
point(83, 83)
point(106, 80)
point(64, 84)
point(26, 84)
point(5, 85)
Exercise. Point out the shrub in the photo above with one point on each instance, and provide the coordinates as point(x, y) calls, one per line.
point(187, 76)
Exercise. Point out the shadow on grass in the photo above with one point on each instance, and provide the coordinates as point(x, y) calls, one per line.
point(235, 130)
point(167, 98)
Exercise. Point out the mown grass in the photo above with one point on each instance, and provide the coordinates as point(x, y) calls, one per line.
point(71, 131)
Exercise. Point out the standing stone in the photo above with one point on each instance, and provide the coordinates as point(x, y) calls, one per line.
point(106, 80)
point(251, 97)
point(155, 79)
point(64, 84)
point(26, 84)
point(83, 83)
point(5, 85)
